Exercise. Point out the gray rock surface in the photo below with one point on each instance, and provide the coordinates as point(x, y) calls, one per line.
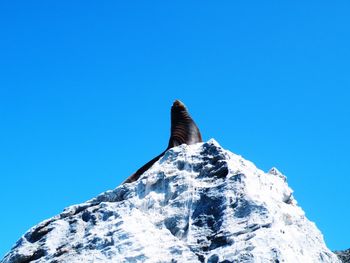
point(344, 255)
point(198, 203)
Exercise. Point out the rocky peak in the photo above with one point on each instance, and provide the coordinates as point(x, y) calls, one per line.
point(197, 203)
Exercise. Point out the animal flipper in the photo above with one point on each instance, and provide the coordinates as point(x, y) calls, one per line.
point(183, 131)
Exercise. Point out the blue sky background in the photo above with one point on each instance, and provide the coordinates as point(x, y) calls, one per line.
point(86, 89)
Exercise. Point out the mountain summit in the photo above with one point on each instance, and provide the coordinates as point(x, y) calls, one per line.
point(197, 203)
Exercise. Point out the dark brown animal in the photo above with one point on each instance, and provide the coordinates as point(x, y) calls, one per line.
point(183, 131)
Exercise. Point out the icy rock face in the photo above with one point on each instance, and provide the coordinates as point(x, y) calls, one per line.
point(344, 255)
point(198, 203)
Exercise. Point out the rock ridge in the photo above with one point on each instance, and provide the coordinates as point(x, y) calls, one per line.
point(197, 203)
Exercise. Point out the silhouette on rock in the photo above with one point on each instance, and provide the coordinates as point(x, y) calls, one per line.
point(183, 131)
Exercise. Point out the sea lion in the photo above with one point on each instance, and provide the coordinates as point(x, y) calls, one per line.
point(183, 131)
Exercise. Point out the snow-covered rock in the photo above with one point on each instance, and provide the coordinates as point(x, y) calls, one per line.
point(343, 255)
point(198, 203)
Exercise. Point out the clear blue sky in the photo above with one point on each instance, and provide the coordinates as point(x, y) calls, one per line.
point(86, 88)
